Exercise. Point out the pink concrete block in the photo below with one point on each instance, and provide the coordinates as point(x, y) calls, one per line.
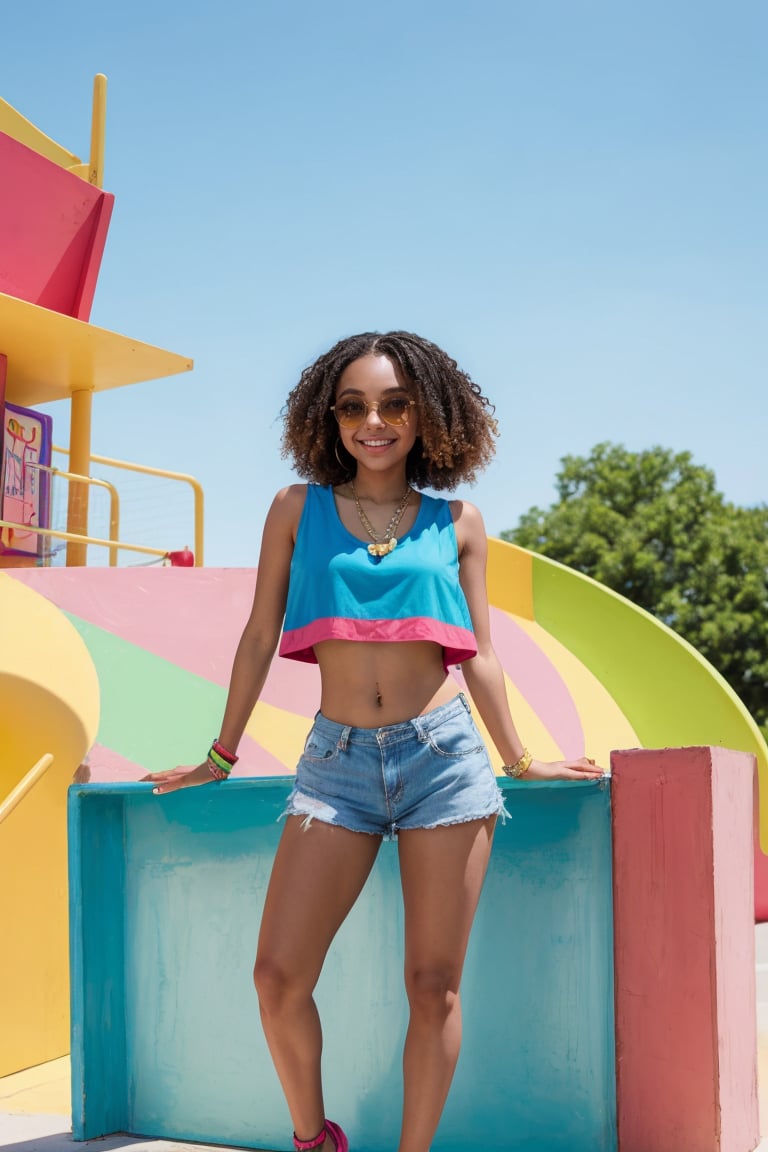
point(686, 1033)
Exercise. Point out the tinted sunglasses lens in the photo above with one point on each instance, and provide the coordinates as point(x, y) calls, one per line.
point(351, 413)
point(395, 411)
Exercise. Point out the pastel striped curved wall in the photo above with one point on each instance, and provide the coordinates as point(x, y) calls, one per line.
point(586, 671)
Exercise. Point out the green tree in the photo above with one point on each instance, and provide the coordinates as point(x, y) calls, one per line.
point(653, 526)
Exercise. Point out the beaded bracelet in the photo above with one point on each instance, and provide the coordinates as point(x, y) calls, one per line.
point(230, 757)
point(219, 762)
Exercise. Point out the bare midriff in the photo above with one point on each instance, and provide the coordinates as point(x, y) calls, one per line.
point(371, 685)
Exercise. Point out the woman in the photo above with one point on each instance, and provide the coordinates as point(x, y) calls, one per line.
point(384, 588)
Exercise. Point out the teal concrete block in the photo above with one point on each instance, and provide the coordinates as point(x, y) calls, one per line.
point(166, 895)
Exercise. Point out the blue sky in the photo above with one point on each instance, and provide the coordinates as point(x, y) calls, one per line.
point(569, 196)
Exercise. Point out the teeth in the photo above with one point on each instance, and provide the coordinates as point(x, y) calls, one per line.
point(377, 443)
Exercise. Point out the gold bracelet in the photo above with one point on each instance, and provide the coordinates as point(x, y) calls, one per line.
point(520, 767)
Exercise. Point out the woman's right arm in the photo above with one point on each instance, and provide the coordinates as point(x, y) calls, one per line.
point(260, 636)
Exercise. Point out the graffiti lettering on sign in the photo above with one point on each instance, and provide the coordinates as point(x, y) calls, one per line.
point(24, 488)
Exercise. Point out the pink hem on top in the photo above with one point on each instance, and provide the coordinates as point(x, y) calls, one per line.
point(458, 643)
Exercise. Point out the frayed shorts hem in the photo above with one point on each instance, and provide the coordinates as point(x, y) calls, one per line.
point(295, 809)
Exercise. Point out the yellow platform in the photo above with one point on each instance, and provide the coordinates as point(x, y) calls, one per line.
point(50, 355)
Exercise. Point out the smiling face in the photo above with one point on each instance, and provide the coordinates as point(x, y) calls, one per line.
point(375, 444)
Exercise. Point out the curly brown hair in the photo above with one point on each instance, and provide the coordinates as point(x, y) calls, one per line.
point(456, 422)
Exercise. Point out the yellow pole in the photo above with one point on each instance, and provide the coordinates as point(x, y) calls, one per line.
point(98, 128)
point(79, 462)
point(25, 785)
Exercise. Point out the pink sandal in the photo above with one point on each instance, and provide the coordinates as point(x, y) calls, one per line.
point(329, 1129)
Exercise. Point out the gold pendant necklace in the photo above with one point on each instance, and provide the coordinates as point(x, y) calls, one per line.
point(385, 543)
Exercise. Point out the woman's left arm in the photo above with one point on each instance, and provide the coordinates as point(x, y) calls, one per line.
point(483, 673)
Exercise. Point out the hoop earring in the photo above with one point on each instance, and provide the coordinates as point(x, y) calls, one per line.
point(346, 467)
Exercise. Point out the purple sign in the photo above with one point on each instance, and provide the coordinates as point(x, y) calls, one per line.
point(25, 487)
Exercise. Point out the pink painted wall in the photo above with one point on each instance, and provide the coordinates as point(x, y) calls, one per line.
point(732, 811)
point(686, 1038)
point(53, 228)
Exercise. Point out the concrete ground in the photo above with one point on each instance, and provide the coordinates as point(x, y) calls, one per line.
point(35, 1104)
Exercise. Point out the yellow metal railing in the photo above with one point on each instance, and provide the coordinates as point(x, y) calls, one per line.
point(25, 785)
point(114, 544)
point(77, 538)
point(21, 129)
point(114, 508)
point(114, 501)
point(160, 473)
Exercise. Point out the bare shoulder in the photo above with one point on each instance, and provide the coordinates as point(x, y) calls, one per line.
point(469, 525)
point(469, 513)
point(293, 495)
point(287, 507)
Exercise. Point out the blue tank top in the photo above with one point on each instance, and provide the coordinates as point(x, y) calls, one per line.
point(338, 591)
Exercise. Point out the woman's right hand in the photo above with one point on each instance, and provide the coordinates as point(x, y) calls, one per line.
point(180, 777)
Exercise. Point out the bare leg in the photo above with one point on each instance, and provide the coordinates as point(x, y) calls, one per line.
point(442, 872)
point(317, 876)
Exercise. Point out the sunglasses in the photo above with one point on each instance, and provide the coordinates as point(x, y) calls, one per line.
point(395, 410)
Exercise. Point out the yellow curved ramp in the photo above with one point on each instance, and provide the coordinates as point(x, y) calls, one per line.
point(49, 706)
point(623, 678)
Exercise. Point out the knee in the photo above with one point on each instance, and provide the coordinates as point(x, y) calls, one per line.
point(432, 992)
point(273, 982)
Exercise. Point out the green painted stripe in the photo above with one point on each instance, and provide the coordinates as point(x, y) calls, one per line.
point(152, 712)
point(670, 694)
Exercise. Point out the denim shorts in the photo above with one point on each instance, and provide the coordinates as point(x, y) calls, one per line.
point(422, 773)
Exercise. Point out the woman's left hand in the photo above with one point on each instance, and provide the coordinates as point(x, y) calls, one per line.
point(581, 769)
